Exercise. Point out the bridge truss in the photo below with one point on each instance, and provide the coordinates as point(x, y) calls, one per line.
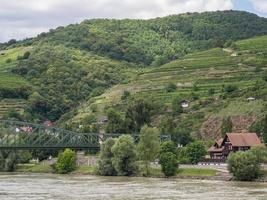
point(15, 135)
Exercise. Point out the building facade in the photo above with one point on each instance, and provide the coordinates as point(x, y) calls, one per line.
point(233, 142)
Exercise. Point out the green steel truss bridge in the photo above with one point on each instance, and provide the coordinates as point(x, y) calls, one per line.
point(15, 135)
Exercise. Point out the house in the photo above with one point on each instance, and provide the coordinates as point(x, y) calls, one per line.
point(251, 99)
point(185, 103)
point(233, 142)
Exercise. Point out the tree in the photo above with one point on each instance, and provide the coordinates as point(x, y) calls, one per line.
point(66, 162)
point(8, 161)
point(124, 156)
point(264, 129)
point(260, 152)
point(226, 126)
point(138, 113)
point(244, 166)
point(167, 146)
point(148, 146)
point(195, 151)
point(115, 122)
point(182, 136)
point(176, 106)
point(105, 166)
point(168, 158)
point(169, 164)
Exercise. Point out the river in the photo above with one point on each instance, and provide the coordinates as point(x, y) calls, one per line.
point(66, 187)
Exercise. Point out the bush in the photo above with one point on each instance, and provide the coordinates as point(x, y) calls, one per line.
point(124, 156)
point(170, 87)
point(9, 60)
point(244, 166)
point(230, 88)
point(66, 162)
point(169, 164)
point(195, 152)
point(26, 55)
point(126, 94)
point(105, 166)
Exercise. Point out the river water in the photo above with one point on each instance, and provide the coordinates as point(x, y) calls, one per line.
point(61, 187)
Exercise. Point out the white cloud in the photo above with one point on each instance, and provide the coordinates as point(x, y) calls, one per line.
point(25, 18)
point(260, 5)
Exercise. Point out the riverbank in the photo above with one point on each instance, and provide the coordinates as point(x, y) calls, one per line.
point(155, 172)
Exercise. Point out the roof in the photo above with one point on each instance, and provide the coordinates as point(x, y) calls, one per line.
point(243, 139)
point(216, 150)
point(219, 142)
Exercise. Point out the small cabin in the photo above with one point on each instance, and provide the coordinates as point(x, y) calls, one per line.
point(185, 103)
point(233, 142)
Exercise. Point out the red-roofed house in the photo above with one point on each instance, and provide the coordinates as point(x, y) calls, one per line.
point(233, 142)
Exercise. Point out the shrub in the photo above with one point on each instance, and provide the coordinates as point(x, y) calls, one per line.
point(66, 162)
point(230, 88)
point(169, 164)
point(9, 60)
point(124, 156)
point(170, 87)
point(26, 55)
point(244, 166)
point(105, 166)
point(126, 94)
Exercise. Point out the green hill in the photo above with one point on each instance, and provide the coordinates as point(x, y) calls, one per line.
point(194, 76)
point(73, 74)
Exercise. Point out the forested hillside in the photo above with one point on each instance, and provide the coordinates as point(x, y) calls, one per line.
point(82, 72)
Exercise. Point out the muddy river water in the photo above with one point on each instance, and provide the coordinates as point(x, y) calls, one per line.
point(62, 187)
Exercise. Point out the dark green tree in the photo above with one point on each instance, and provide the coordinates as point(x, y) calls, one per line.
point(124, 156)
point(195, 151)
point(115, 122)
point(105, 166)
point(138, 113)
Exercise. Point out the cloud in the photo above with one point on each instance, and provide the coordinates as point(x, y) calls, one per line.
point(20, 19)
point(260, 5)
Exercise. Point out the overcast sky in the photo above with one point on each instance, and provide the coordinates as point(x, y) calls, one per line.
point(26, 18)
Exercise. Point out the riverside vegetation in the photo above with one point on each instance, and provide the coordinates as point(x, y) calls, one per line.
point(137, 73)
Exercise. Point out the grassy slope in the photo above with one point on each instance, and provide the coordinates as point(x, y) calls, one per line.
point(208, 69)
point(9, 80)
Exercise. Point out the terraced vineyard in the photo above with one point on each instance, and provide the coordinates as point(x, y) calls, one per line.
point(10, 81)
point(195, 74)
point(10, 104)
